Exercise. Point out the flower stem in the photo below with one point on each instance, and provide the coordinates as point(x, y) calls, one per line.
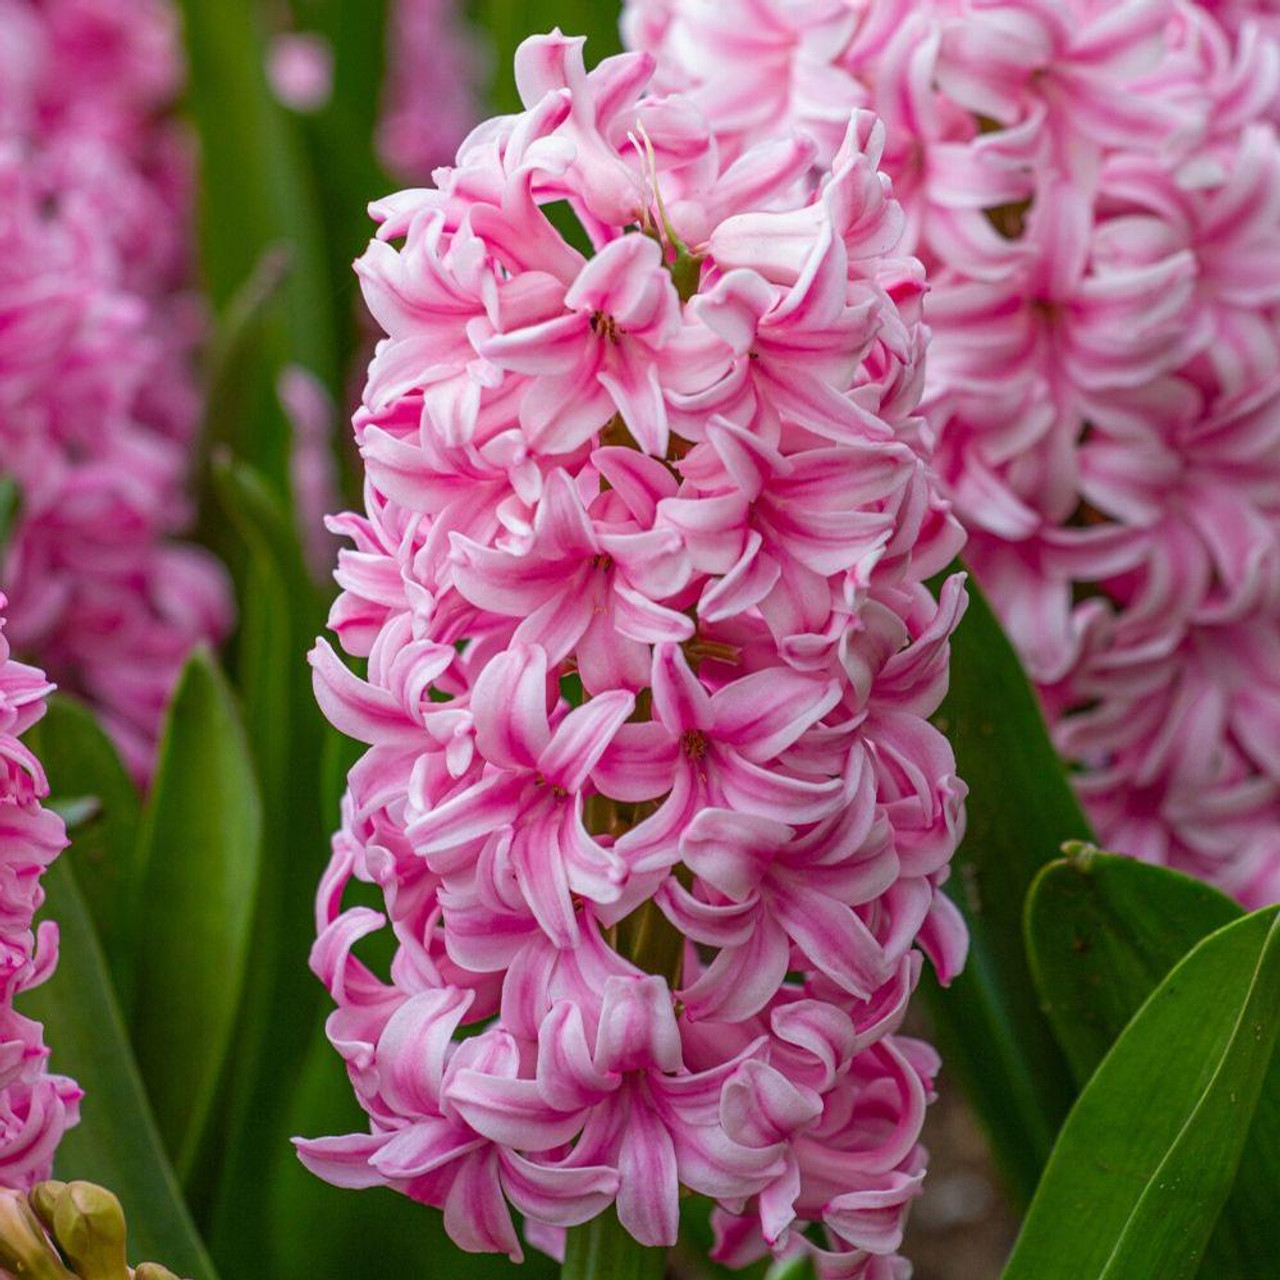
point(602, 1249)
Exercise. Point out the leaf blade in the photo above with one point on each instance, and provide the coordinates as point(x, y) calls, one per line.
point(988, 1023)
point(82, 762)
point(1167, 1110)
point(1102, 933)
point(201, 843)
point(116, 1143)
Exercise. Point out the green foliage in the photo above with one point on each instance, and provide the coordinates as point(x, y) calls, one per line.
point(256, 195)
point(989, 1025)
point(116, 1142)
point(282, 610)
point(1150, 1152)
point(9, 502)
point(603, 1249)
point(82, 764)
point(1103, 932)
point(200, 851)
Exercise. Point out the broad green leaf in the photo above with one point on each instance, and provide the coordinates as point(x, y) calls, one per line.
point(282, 611)
point(1020, 811)
point(603, 1249)
point(1103, 932)
point(256, 194)
point(201, 847)
point(82, 764)
point(237, 348)
point(116, 1143)
point(1149, 1153)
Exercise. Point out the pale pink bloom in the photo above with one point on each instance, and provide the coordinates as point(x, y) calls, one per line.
point(1095, 189)
point(435, 75)
point(300, 68)
point(313, 468)
point(36, 1108)
point(650, 786)
point(98, 397)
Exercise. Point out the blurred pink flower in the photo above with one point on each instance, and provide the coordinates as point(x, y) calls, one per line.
point(1094, 187)
point(98, 398)
point(36, 1108)
point(650, 792)
point(432, 94)
point(300, 69)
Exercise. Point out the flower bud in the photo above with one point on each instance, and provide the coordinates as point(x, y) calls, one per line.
point(89, 1226)
point(25, 1251)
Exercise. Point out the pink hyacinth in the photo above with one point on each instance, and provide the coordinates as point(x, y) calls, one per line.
point(431, 97)
point(1095, 188)
point(651, 793)
point(36, 1108)
point(98, 400)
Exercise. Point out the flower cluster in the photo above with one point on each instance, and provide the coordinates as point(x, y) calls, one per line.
point(434, 66)
point(651, 796)
point(36, 1108)
point(98, 402)
point(1094, 186)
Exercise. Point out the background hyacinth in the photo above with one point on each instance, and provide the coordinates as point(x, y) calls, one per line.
point(651, 796)
point(1094, 187)
point(36, 1108)
point(430, 99)
point(98, 402)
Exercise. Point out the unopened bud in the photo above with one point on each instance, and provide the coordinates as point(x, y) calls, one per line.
point(25, 1251)
point(88, 1224)
point(153, 1271)
point(43, 1197)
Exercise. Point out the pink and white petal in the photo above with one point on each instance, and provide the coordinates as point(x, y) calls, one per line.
point(766, 712)
point(345, 1161)
point(638, 1029)
point(511, 1112)
point(475, 1211)
point(563, 1194)
point(679, 700)
point(733, 851)
point(742, 979)
point(648, 1199)
point(567, 1075)
point(833, 937)
point(509, 706)
point(639, 765)
point(582, 737)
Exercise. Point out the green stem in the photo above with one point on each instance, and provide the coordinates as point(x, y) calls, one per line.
point(602, 1249)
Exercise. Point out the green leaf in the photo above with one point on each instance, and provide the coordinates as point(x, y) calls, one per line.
point(82, 763)
point(1103, 932)
point(1149, 1153)
point(1021, 810)
point(603, 1249)
point(116, 1143)
point(282, 610)
point(10, 500)
point(255, 195)
point(201, 845)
